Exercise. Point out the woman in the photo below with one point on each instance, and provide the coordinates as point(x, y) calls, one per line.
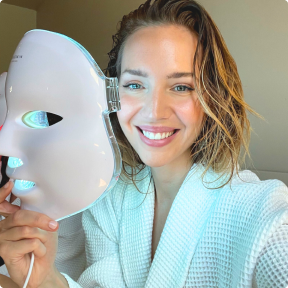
point(182, 124)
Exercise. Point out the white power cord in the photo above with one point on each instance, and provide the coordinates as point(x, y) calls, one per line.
point(29, 271)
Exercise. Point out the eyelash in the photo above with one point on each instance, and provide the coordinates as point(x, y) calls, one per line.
point(187, 87)
point(127, 86)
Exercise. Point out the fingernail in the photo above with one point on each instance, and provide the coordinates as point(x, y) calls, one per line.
point(11, 180)
point(53, 224)
point(6, 185)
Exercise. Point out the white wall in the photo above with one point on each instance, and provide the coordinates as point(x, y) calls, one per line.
point(91, 23)
point(256, 33)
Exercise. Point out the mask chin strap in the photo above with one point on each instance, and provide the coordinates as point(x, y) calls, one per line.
point(29, 271)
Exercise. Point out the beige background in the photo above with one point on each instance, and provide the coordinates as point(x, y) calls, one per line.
point(256, 33)
point(14, 22)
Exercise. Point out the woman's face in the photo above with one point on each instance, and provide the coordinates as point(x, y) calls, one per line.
point(157, 94)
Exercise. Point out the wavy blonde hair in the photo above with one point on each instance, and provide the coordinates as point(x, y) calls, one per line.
point(225, 128)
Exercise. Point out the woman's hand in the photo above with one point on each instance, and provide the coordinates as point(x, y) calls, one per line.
point(6, 208)
point(21, 233)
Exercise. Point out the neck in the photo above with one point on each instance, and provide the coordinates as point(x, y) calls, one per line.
point(169, 178)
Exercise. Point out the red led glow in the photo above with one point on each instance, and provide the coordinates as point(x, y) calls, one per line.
point(1, 127)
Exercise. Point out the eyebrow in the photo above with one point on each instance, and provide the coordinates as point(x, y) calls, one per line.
point(135, 72)
point(143, 74)
point(180, 74)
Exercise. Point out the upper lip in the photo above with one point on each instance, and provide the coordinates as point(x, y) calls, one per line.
point(156, 129)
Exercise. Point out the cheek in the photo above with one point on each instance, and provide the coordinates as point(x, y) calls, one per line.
point(129, 109)
point(191, 114)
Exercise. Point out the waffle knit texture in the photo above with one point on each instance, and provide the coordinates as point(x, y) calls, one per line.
point(234, 236)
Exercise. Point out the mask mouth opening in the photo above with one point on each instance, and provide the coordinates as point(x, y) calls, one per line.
point(19, 184)
point(23, 184)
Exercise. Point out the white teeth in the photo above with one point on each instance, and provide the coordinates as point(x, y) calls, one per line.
point(157, 136)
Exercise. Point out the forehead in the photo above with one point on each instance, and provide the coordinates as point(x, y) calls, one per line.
point(166, 45)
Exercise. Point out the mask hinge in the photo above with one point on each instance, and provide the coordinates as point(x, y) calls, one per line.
point(113, 100)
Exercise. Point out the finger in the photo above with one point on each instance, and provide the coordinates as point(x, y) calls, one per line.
point(7, 209)
point(6, 190)
point(15, 250)
point(28, 218)
point(24, 232)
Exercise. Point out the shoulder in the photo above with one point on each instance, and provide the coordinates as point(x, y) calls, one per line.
point(248, 184)
point(244, 195)
point(247, 194)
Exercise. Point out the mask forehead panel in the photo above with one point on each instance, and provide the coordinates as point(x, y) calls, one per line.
point(73, 162)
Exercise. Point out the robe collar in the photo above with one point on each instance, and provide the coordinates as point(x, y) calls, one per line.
point(185, 224)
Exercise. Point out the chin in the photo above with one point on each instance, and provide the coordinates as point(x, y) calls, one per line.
point(154, 164)
point(154, 161)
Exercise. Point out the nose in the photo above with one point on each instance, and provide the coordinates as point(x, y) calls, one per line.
point(156, 105)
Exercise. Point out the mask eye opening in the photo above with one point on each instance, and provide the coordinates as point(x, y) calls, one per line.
point(40, 119)
point(53, 118)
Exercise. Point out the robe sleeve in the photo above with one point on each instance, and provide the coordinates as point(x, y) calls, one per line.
point(100, 224)
point(271, 270)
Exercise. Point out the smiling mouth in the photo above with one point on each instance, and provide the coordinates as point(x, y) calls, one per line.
point(157, 136)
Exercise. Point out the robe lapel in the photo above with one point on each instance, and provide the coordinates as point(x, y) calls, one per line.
point(136, 232)
point(192, 207)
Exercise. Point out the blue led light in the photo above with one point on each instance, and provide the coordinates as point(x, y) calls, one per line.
point(36, 119)
point(23, 184)
point(14, 162)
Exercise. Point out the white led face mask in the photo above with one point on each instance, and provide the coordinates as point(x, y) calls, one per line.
point(57, 134)
point(3, 106)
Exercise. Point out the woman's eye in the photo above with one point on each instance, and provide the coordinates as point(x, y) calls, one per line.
point(183, 88)
point(133, 86)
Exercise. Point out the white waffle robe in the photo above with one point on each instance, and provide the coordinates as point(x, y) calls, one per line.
point(235, 236)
